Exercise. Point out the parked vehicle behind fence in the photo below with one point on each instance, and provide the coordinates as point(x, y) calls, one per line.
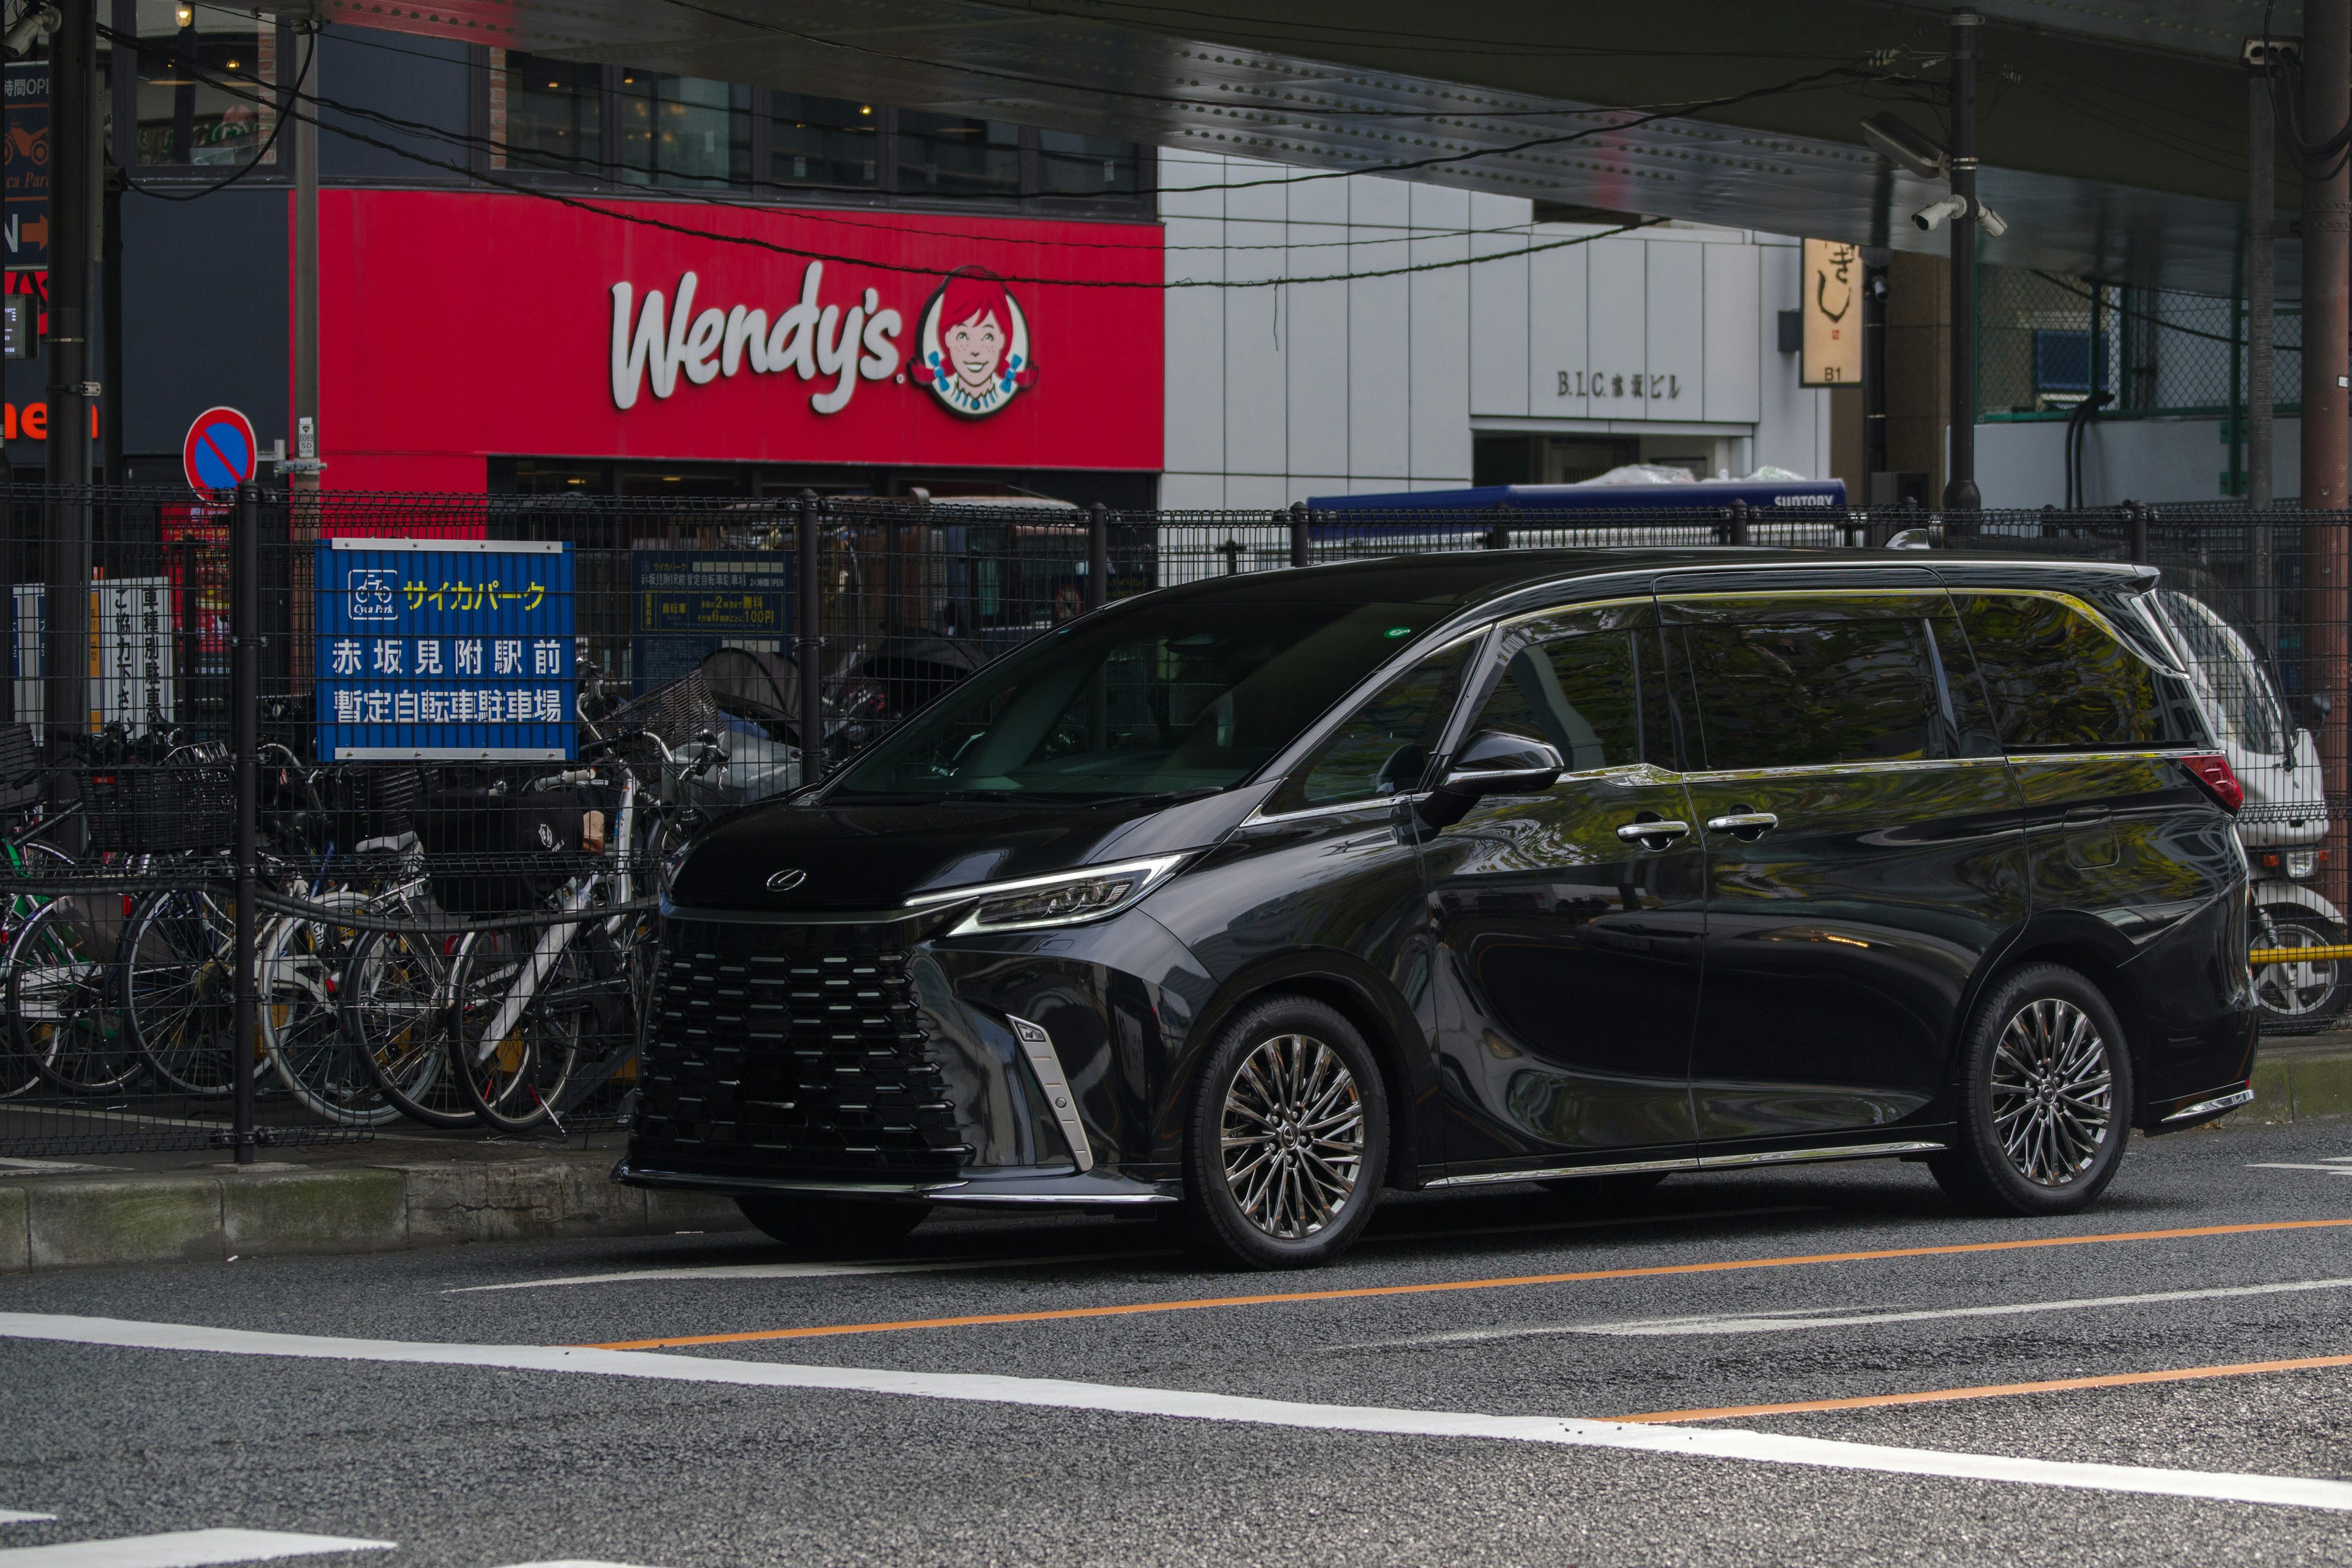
point(1243, 900)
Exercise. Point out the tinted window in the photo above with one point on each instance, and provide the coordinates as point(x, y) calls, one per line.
point(2058, 681)
point(1383, 748)
point(1167, 695)
point(1797, 693)
point(1580, 693)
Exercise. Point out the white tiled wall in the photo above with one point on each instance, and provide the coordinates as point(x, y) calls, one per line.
point(1378, 383)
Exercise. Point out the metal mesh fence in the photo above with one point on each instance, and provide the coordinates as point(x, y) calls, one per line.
point(2046, 343)
point(484, 723)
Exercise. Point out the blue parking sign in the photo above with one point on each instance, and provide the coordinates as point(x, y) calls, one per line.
point(444, 647)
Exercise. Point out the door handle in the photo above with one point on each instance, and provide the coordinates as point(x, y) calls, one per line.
point(1750, 822)
point(2088, 813)
point(1640, 833)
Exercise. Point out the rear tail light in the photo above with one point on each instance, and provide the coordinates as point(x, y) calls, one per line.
point(2211, 772)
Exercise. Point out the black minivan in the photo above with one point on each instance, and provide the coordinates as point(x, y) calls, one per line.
point(1254, 897)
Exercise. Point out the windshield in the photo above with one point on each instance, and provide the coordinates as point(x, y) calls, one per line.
point(2231, 671)
point(1179, 695)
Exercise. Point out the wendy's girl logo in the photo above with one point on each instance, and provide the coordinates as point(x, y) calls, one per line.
point(973, 350)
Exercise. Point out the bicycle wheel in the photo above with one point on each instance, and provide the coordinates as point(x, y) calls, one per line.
point(518, 1021)
point(394, 1010)
point(64, 1013)
point(179, 990)
point(300, 966)
point(17, 1073)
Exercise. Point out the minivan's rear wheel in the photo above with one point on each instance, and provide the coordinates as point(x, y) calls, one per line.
point(1287, 1138)
point(818, 1225)
point(2045, 1098)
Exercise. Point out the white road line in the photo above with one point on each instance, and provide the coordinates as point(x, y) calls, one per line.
point(183, 1548)
point(2331, 1170)
point(1815, 1317)
point(805, 1270)
point(943, 1265)
point(1058, 1393)
point(574, 1563)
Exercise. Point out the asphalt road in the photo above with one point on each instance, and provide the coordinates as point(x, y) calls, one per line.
point(1432, 1400)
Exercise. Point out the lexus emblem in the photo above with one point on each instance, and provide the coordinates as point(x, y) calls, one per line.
point(785, 881)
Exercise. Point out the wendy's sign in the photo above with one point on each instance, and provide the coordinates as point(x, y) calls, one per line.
point(974, 348)
point(463, 326)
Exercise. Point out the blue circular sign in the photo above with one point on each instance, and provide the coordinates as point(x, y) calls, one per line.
point(220, 451)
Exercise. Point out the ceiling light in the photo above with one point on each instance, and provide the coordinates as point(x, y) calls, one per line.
point(185, 16)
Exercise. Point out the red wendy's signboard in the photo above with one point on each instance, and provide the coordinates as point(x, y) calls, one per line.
point(457, 326)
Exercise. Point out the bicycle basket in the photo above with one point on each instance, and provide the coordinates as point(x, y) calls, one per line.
point(158, 808)
point(501, 853)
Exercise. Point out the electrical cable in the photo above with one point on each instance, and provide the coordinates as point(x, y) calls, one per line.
point(259, 154)
point(806, 254)
point(2068, 285)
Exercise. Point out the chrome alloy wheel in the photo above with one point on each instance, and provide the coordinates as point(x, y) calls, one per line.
point(1294, 1136)
point(2053, 1092)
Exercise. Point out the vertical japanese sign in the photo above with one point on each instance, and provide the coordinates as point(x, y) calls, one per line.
point(131, 637)
point(25, 172)
point(1833, 315)
point(444, 647)
point(690, 603)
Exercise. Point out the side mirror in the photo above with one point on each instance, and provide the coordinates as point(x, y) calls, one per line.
point(1495, 761)
point(1492, 762)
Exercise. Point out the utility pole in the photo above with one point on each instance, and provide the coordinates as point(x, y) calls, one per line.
point(1960, 493)
point(73, 202)
point(2262, 190)
point(303, 471)
point(2326, 348)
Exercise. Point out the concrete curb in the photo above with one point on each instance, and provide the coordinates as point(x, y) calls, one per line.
point(206, 1218)
point(2301, 1084)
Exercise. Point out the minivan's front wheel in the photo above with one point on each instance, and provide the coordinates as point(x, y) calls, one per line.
point(2045, 1098)
point(1287, 1138)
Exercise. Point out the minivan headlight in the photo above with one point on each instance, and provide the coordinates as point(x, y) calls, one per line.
point(1070, 898)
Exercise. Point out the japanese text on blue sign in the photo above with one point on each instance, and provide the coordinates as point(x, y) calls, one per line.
point(445, 648)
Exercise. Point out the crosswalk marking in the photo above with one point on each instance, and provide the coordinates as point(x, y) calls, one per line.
point(183, 1548)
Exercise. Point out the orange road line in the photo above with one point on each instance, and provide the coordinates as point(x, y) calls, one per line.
point(1990, 1390)
point(1367, 1291)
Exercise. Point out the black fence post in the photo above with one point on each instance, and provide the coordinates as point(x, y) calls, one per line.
point(245, 706)
point(1498, 537)
point(1097, 590)
point(2136, 517)
point(808, 546)
point(1302, 535)
point(1739, 523)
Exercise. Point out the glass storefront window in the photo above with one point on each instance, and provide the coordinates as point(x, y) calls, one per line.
point(822, 142)
point(198, 85)
point(683, 131)
point(1072, 165)
point(946, 155)
point(553, 112)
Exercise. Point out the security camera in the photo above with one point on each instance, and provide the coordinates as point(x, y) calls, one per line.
point(36, 22)
point(1993, 225)
point(1908, 146)
point(1933, 215)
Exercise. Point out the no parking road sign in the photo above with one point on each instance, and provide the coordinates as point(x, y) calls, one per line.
point(220, 451)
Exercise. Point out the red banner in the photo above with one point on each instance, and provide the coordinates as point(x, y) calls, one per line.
point(457, 327)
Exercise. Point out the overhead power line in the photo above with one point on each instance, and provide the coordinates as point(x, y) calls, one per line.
point(597, 207)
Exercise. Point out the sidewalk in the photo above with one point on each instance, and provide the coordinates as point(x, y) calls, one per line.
point(405, 1188)
point(411, 1188)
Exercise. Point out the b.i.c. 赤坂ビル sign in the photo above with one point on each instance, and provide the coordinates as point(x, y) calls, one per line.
point(453, 648)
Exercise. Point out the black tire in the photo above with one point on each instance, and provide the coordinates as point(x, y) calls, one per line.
point(818, 1225)
point(393, 1008)
point(2299, 997)
point(1298, 1192)
point(1604, 1193)
point(2045, 1098)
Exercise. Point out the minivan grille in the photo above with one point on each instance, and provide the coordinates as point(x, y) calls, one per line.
point(789, 1050)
